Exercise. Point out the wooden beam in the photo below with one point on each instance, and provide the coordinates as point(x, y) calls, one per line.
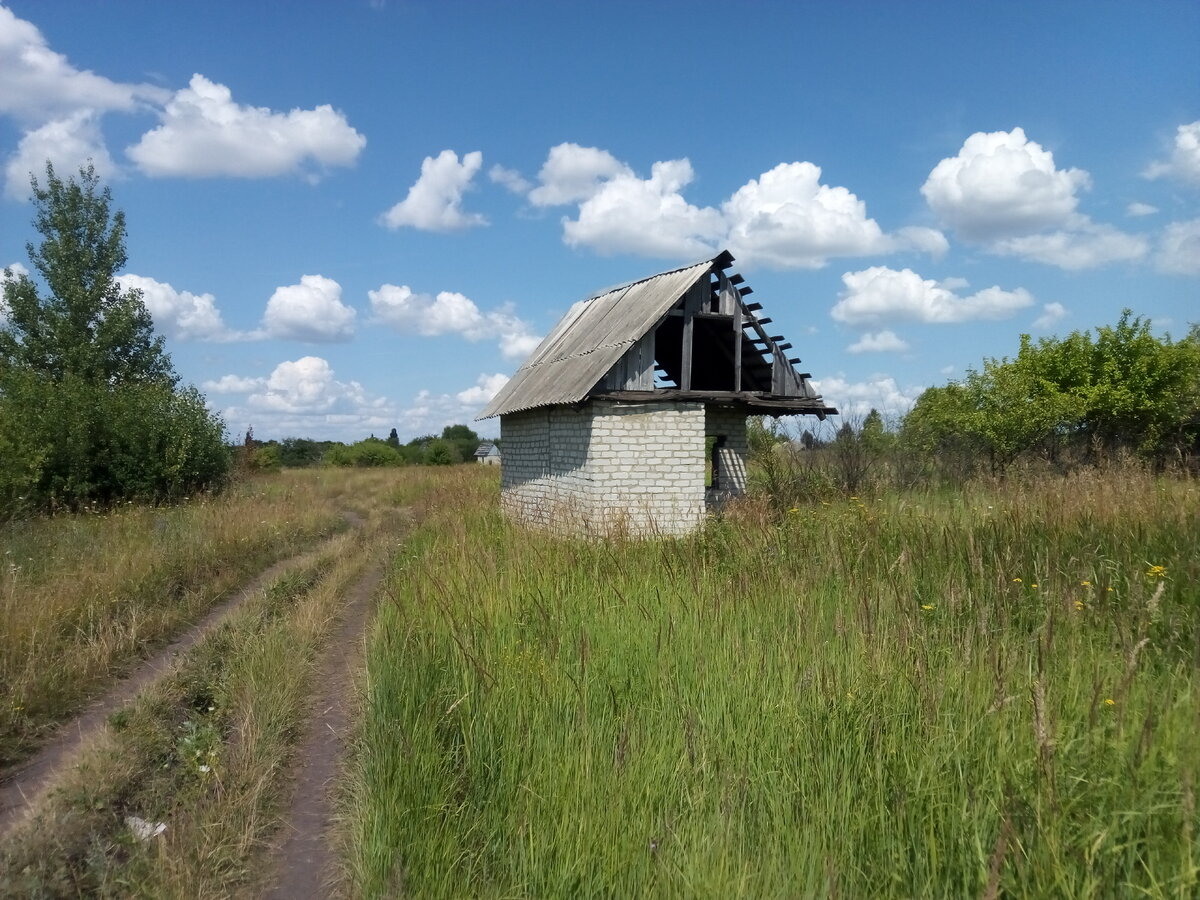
point(753, 307)
point(745, 290)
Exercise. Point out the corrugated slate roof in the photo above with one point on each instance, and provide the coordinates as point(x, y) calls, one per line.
point(590, 339)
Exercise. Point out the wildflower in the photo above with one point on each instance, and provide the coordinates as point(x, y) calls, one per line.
point(1033, 585)
point(794, 509)
point(1110, 702)
point(1156, 572)
point(1079, 604)
point(1085, 584)
point(1017, 580)
point(1110, 590)
point(926, 606)
point(204, 770)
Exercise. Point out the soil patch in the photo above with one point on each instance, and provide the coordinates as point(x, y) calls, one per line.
point(304, 856)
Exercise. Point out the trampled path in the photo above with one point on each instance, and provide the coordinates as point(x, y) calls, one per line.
point(303, 858)
point(22, 786)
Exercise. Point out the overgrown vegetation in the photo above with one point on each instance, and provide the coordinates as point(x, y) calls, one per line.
point(91, 410)
point(456, 444)
point(986, 692)
point(1082, 397)
point(207, 750)
point(81, 597)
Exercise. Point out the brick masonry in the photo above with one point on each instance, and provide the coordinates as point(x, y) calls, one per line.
point(611, 467)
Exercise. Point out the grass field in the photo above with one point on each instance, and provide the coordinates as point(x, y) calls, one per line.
point(208, 749)
point(986, 693)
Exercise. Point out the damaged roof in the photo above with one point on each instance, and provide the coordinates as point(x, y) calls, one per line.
point(573, 359)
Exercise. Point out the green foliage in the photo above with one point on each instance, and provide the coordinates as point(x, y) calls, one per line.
point(1092, 395)
point(267, 458)
point(463, 440)
point(393, 439)
point(367, 453)
point(442, 453)
point(89, 404)
point(87, 326)
point(298, 452)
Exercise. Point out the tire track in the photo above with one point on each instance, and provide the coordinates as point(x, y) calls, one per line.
point(303, 860)
point(22, 786)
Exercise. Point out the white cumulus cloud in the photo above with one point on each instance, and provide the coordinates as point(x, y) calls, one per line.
point(38, 85)
point(430, 412)
point(648, 217)
point(205, 133)
point(180, 314)
point(1052, 314)
point(1000, 184)
point(788, 219)
point(304, 397)
point(572, 174)
point(449, 312)
point(1179, 248)
point(785, 218)
point(510, 179)
point(310, 311)
point(880, 342)
point(1138, 209)
point(1085, 247)
point(1005, 192)
point(880, 295)
point(434, 202)
point(481, 393)
point(233, 384)
point(854, 399)
point(1184, 164)
point(68, 142)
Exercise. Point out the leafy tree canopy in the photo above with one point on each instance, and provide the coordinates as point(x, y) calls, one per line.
point(86, 326)
point(90, 406)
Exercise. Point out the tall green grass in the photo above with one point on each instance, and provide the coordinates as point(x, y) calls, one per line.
point(978, 694)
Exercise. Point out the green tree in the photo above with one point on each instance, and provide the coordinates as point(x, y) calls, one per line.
point(86, 326)
point(463, 439)
point(86, 388)
point(1122, 388)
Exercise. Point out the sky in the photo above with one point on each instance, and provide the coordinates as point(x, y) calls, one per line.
point(352, 216)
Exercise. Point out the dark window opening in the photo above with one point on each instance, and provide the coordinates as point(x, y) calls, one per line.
point(718, 443)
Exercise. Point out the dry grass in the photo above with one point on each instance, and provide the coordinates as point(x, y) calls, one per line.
point(206, 750)
point(83, 597)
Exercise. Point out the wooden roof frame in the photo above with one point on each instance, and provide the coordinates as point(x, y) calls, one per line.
point(692, 325)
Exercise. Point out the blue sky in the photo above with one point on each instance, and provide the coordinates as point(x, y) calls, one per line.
point(352, 216)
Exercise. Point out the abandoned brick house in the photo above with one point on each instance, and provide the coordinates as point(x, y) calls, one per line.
point(631, 414)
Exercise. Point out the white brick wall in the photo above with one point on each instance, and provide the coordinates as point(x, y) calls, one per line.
point(612, 466)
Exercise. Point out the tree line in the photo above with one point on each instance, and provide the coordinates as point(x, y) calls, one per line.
point(456, 444)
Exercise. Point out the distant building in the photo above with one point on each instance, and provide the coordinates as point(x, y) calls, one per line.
point(605, 426)
point(488, 454)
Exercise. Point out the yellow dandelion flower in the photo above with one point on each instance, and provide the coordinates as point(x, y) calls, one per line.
point(1156, 572)
point(1017, 580)
point(1079, 604)
point(926, 606)
point(1110, 702)
point(1033, 585)
point(1085, 584)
